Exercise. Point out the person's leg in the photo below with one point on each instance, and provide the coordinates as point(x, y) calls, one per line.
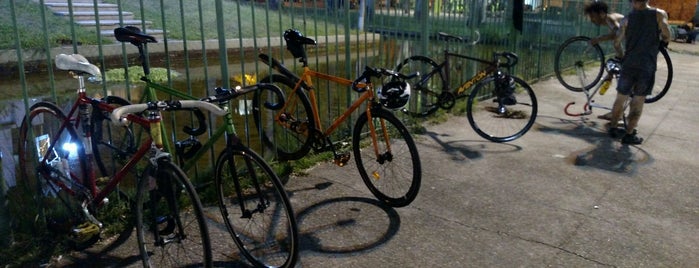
point(635, 110)
point(617, 112)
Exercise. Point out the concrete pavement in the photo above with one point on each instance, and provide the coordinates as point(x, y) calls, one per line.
point(564, 195)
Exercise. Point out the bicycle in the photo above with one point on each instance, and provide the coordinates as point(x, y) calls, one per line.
point(60, 195)
point(255, 207)
point(387, 165)
point(587, 64)
point(500, 108)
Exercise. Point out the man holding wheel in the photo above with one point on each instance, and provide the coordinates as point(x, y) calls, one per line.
point(644, 30)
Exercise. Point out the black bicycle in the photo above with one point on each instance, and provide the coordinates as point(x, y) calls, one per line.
point(501, 107)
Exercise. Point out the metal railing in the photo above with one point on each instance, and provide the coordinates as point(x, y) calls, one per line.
point(210, 43)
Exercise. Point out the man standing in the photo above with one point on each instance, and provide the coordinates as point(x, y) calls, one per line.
point(644, 29)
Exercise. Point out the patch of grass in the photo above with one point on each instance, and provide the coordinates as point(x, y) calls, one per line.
point(193, 24)
point(28, 14)
point(157, 74)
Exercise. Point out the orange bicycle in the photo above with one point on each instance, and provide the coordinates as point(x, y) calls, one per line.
point(384, 151)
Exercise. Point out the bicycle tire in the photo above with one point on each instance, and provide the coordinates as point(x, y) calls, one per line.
point(577, 52)
point(426, 88)
point(167, 205)
point(663, 78)
point(486, 118)
point(268, 235)
point(283, 140)
point(40, 214)
point(395, 176)
point(112, 145)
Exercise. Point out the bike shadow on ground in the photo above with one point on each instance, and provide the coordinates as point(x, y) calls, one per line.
point(460, 150)
point(346, 225)
point(603, 153)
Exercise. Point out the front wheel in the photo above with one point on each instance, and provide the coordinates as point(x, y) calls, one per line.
point(170, 224)
point(40, 213)
point(256, 210)
point(387, 157)
point(578, 65)
point(284, 130)
point(663, 77)
point(498, 116)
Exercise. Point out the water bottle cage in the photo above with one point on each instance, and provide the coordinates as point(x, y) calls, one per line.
point(187, 148)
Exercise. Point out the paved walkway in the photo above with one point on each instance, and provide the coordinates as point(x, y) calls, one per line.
point(564, 195)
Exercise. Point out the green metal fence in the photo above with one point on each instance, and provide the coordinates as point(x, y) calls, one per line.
point(204, 44)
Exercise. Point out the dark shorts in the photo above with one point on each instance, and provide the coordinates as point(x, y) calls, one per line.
point(637, 81)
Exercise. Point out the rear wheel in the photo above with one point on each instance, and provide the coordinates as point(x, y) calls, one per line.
point(170, 223)
point(494, 118)
point(256, 210)
point(663, 77)
point(426, 87)
point(579, 65)
point(286, 130)
point(390, 164)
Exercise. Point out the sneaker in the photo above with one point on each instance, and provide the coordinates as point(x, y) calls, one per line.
point(616, 132)
point(631, 138)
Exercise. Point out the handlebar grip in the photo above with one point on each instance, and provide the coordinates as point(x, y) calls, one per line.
point(201, 124)
point(122, 111)
point(189, 104)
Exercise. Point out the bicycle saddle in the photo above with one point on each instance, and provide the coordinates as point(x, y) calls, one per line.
point(133, 35)
point(447, 36)
point(295, 36)
point(77, 63)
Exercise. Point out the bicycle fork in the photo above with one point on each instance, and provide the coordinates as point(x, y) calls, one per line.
point(381, 158)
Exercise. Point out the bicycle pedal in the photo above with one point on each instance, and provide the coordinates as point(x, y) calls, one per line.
point(102, 180)
point(342, 159)
point(84, 232)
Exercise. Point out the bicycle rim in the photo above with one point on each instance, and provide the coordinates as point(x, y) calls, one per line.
point(501, 123)
point(40, 213)
point(663, 77)
point(290, 139)
point(578, 65)
point(170, 223)
point(394, 175)
point(425, 89)
point(265, 231)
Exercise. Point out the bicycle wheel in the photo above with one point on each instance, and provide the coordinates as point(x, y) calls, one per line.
point(394, 175)
point(256, 209)
point(286, 132)
point(663, 77)
point(41, 215)
point(426, 88)
point(170, 223)
point(578, 65)
point(495, 120)
point(112, 145)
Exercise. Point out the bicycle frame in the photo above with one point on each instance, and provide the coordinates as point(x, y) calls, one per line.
point(306, 78)
point(305, 81)
point(76, 120)
point(491, 68)
point(589, 95)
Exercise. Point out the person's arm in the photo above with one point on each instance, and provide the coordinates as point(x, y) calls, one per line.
point(613, 26)
point(664, 26)
point(620, 38)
